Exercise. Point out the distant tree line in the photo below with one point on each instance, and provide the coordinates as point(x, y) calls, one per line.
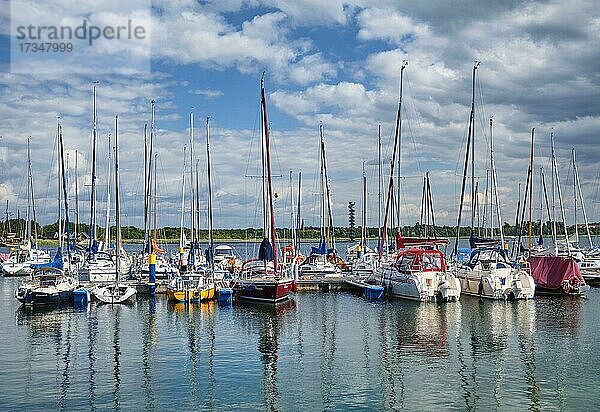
point(50, 231)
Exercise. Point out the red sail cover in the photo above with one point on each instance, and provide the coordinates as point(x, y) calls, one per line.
point(551, 271)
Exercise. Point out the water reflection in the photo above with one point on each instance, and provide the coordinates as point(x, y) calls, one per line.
point(117, 357)
point(271, 319)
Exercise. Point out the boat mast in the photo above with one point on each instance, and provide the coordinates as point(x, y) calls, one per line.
point(575, 197)
point(399, 177)
point(149, 185)
point(587, 226)
point(530, 184)
point(193, 195)
point(181, 232)
point(379, 184)
point(197, 202)
point(270, 177)
point(472, 130)
point(363, 234)
point(93, 188)
point(117, 206)
point(76, 197)
point(330, 227)
point(465, 169)
point(107, 222)
point(292, 219)
point(298, 220)
point(34, 223)
point(495, 187)
point(146, 188)
point(59, 186)
point(390, 193)
point(560, 198)
point(322, 180)
point(154, 240)
point(210, 206)
point(64, 189)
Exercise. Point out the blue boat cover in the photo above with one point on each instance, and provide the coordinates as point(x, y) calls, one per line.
point(265, 251)
point(57, 263)
point(321, 249)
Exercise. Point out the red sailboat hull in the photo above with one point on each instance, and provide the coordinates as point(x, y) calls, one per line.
point(263, 290)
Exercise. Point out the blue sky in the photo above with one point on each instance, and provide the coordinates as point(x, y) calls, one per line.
point(332, 61)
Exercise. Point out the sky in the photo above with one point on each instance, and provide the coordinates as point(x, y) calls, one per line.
point(335, 63)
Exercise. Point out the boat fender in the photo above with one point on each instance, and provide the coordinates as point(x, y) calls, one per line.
point(566, 287)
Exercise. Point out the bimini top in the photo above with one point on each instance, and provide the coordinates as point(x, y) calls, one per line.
point(420, 260)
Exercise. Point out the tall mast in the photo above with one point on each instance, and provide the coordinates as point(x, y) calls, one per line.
point(29, 190)
point(298, 219)
point(146, 188)
point(64, 188)
point(154, 240)
point(76, 196)
point(379, 185)
point(192, 197)
point(210, 206)
point(530, 183)
point(390, 193)
point(107, 222)
point(472, 131)
point(575, 197)
point(34, 223)
point(197, 202)
point(263, 174)
point(292, 222)
point(93, 173)
point(58, 180)
point(560, 197)
point(330, 227)
point(322, 180)
point(398, 212)
point(150, 165)
point(363, 234)
point(117, 206)
point(270, 177)
point(181, 232)
point(465, 169)
point(495, 186)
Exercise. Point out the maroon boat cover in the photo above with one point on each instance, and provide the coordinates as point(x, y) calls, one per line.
point(551, 271)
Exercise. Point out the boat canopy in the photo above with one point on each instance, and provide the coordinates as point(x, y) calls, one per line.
point(418, 259)
point(553, 271)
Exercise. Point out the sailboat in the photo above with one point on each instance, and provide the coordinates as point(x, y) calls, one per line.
point(195, 282)
point(264, 279)
point(419, 270)
point(19, 262)
point(115, 292)
point(323, 260)
point(488, 273)
point(554, 273)
point(49, 283)
point(165, 269)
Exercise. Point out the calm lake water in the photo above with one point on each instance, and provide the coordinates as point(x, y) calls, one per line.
point(319, 351)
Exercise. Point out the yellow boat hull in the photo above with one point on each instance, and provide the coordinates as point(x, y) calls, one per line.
point(191, 295)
